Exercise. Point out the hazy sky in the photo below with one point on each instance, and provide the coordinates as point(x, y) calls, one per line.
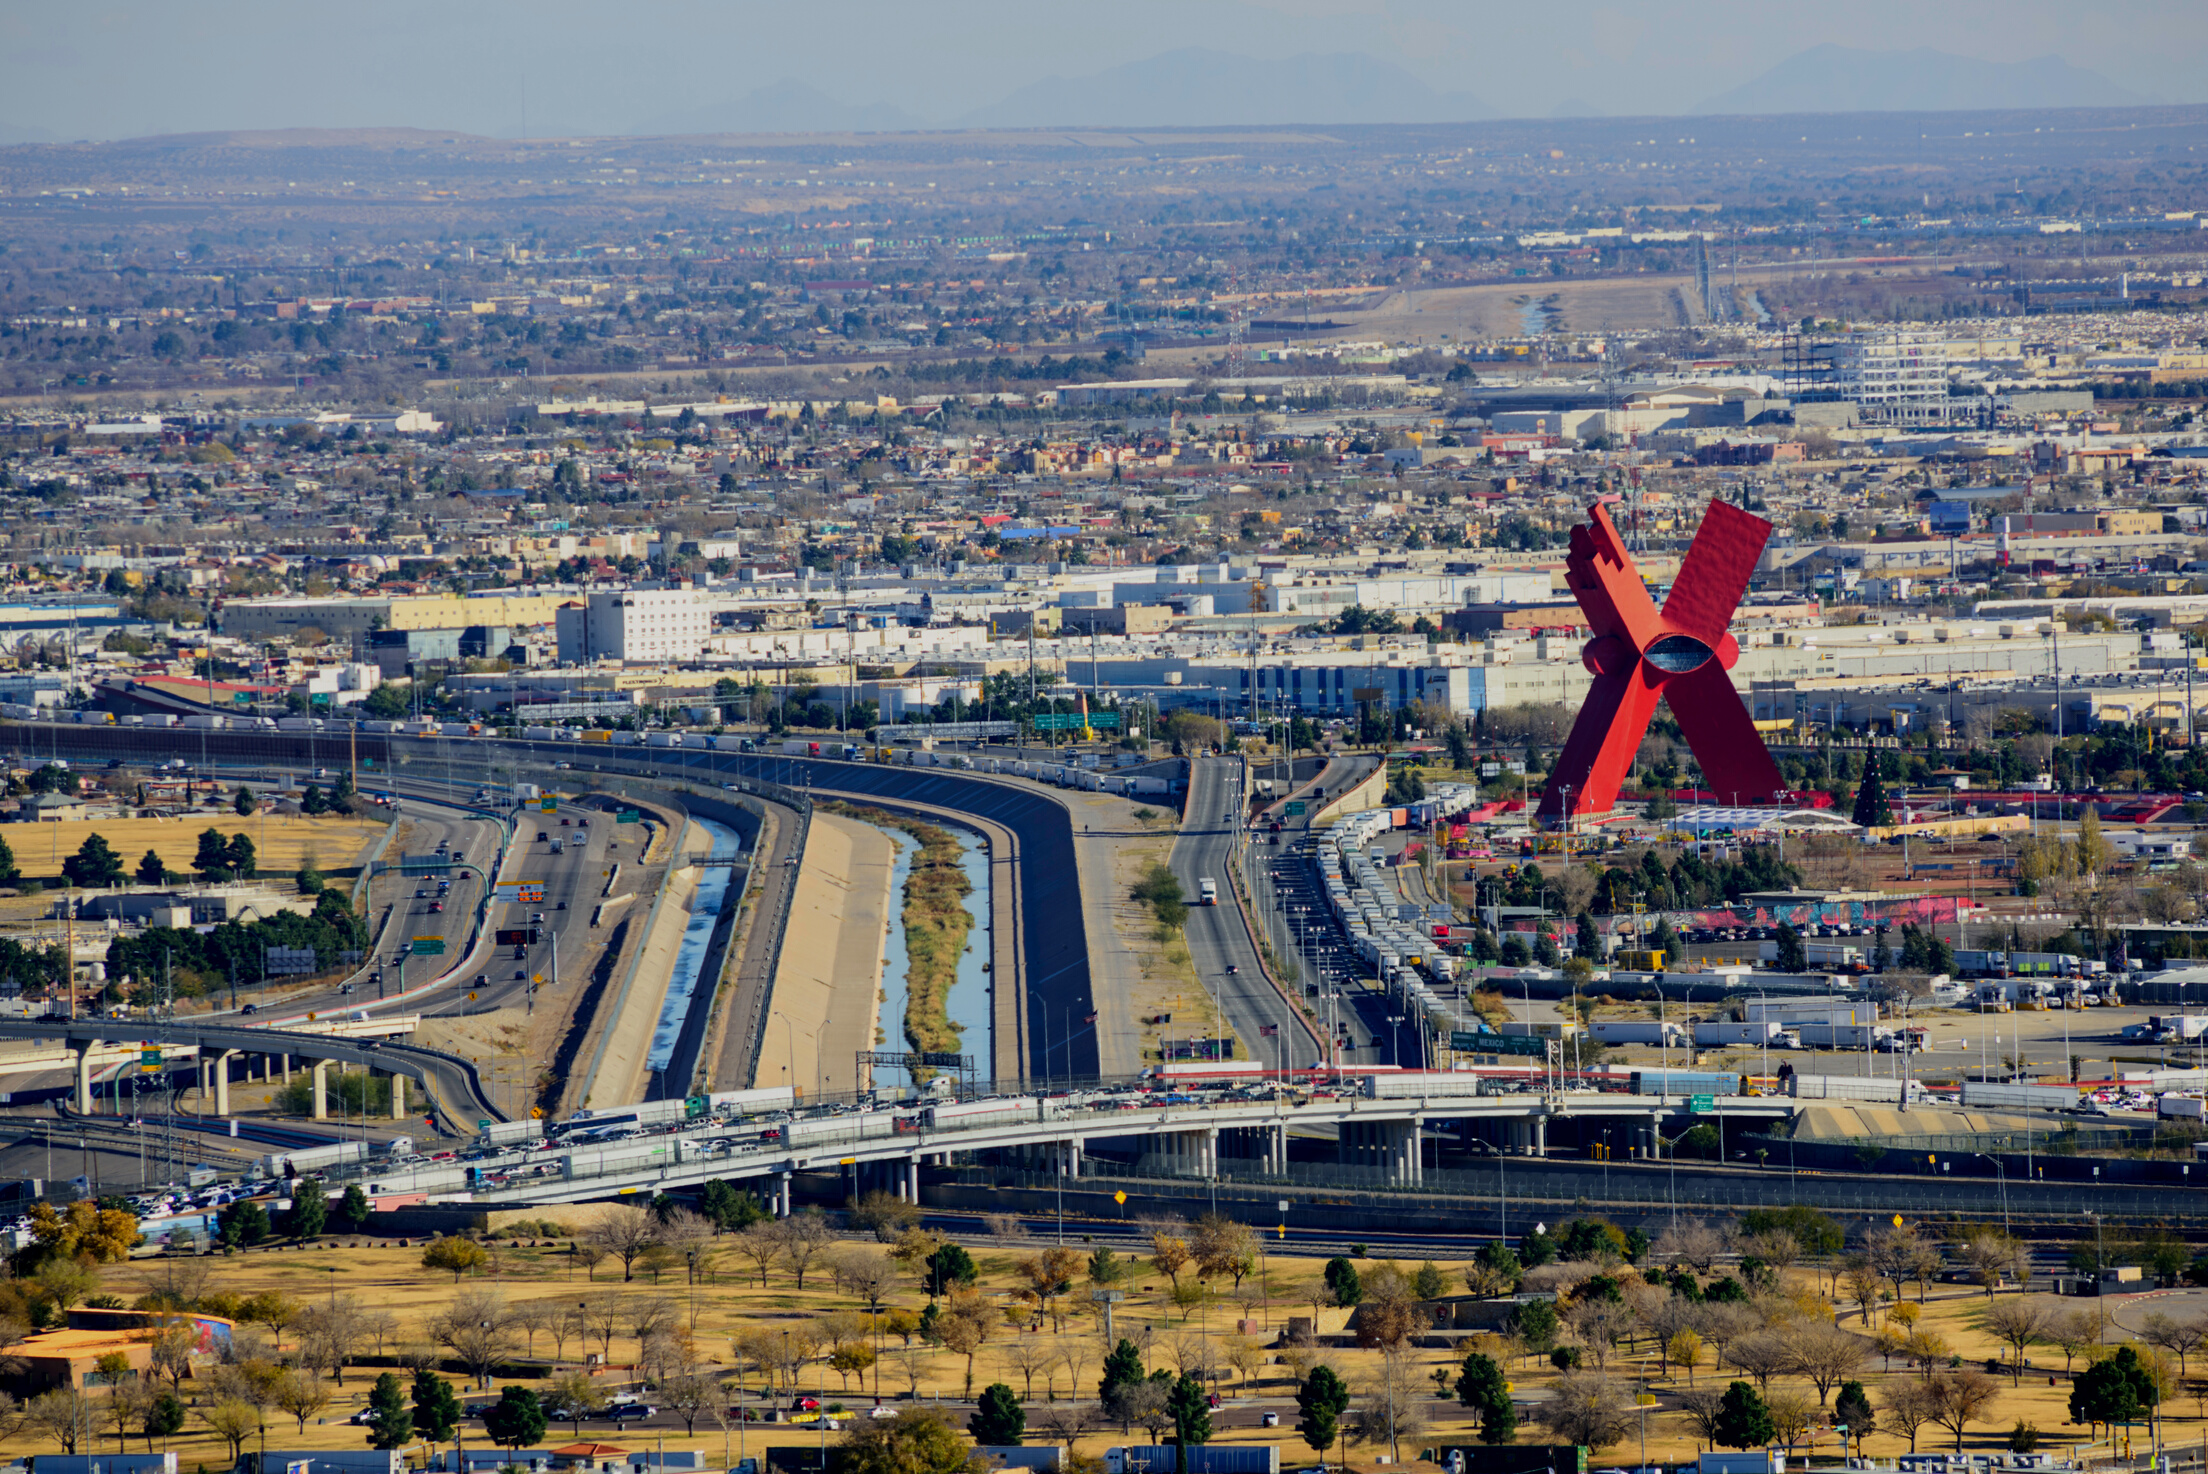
point(121, 68)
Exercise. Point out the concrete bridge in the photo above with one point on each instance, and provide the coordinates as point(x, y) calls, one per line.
point(1388, 1136)
point(450, 1082)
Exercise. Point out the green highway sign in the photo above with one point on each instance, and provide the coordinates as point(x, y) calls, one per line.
point(429, 946)
point(1702, 1105)
point(1468, 1043)
point(1104, 721)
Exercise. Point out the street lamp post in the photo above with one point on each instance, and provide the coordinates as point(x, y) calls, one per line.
point(2002, 1173)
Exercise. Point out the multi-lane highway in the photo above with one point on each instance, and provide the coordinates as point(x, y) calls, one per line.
point(1219, 942)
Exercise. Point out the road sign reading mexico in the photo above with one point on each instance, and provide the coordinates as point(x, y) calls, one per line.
point(1680, 654)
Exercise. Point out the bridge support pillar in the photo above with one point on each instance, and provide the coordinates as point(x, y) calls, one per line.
point(84, 1075)
point(321, 1088)
point(1406, 1149)
point(398, 1097)
point(222, 1081)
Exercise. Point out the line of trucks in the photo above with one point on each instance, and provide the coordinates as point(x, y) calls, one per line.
point(1371, 911)
point(1806, 1023)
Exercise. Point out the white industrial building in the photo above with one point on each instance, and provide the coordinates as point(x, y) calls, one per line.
point(635, 624)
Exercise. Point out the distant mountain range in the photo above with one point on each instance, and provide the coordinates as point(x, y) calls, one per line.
point(1845, 79)
point(787, 106)
point(1199, 88)
point(1196, 88)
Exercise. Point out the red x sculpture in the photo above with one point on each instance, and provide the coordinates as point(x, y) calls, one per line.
point(1640, 655)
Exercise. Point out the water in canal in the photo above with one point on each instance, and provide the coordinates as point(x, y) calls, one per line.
point(713, 889)
point(969, 1001)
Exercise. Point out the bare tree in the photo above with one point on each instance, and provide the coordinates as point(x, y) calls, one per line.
point(1075, 1353)
point(330, 1334)
point(2179, 1338)
point(2073, 1331)
point(1990, 1254)
point(1825, 1354)
point(1588, 1408)
point(1863, 1284)
point(804, 1236)
point(2018, 1323)
point(690, 1235)
point(379, 1326)
point(301, 1396)
point(1959, 1398)
point(964, 1329)
point(1703, 1407)
point(1028, 1355)
point(177, 1281)
point(1070, 1421)
point(535, 1317)
point(688, 1394)
point(1909, 1406)
point(761, 1243)
point(1693, 1243)
point(623, 1231)
point(1791, 1416)
point(1599, 1324)
point(1893, 1253)
point(476, 1327)
point(1762, 1355)
point(1391, 1405)
point(1775, 1247)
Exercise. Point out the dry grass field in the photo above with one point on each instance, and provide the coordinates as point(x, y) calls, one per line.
point(334, 843)
point(534, 1288)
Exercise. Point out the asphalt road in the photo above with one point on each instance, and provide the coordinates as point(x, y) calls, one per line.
point(1217, 938)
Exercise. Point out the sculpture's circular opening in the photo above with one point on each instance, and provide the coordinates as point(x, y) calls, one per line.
point(1677, 654)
